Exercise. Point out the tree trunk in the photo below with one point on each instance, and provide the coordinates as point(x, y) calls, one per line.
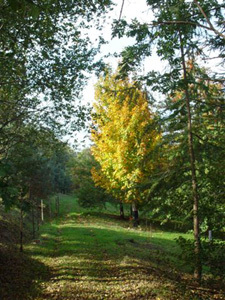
point(50, 207)
point(42, 212)
point(33, 222)
point(57, 205)
point(121, 211)
point(135, 215)
point(32, 212)
point(131, 211)
point(38, 218)
point(198, 263)
point(21, 226)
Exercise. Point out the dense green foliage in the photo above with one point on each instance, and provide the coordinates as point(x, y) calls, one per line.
point(34, 169)
point(45, 56)
point(183, 33)
point(213, 255)
point(83, 184)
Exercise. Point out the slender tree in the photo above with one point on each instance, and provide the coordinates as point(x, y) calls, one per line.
point(179, 31)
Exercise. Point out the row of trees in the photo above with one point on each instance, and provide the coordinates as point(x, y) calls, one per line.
point(183, 33)
point(45, 56)
point(33, 171)
point(143, 156)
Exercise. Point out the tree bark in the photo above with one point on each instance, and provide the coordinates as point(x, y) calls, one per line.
point(33, 222)
point(131, 211)
point(135, 215)
point(121, 211)
point(42, 212)
point(38, 218)
point(21, 226)
point(50, 207)
point(57, 205)
point(32, 212)
point(198, 263)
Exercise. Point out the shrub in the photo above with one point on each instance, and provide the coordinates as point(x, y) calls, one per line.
point(212, 255)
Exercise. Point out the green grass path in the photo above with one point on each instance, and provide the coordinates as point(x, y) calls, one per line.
point(96, 256)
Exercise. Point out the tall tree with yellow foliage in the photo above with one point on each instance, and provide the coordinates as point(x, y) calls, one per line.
point(124, 139)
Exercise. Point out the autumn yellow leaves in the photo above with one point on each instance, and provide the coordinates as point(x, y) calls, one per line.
point(124, 137)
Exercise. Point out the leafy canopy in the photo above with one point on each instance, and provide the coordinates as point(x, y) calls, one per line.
point(124, 136)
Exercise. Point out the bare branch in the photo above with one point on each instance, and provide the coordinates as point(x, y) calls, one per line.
point(216, 57)
point(121, 11)
point(181, 23)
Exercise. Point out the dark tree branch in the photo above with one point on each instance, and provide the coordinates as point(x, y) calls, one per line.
point(178, 22)
point(208, 21)
point(222, 80)
point(215, 57)
point(121, 10)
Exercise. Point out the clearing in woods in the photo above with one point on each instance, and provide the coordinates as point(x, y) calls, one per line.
point(94, 255)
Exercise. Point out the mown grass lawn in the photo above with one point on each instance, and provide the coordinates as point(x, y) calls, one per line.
point(93, 255)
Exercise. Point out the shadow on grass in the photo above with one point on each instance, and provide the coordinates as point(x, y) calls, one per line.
point(88, 256)
point(20, 275)
point(104, 215)
point(81, 240)
point(104, 249)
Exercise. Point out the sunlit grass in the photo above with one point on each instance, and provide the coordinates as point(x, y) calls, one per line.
point(91, 255)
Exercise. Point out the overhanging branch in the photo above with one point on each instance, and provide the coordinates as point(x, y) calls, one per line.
point(208, 20)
